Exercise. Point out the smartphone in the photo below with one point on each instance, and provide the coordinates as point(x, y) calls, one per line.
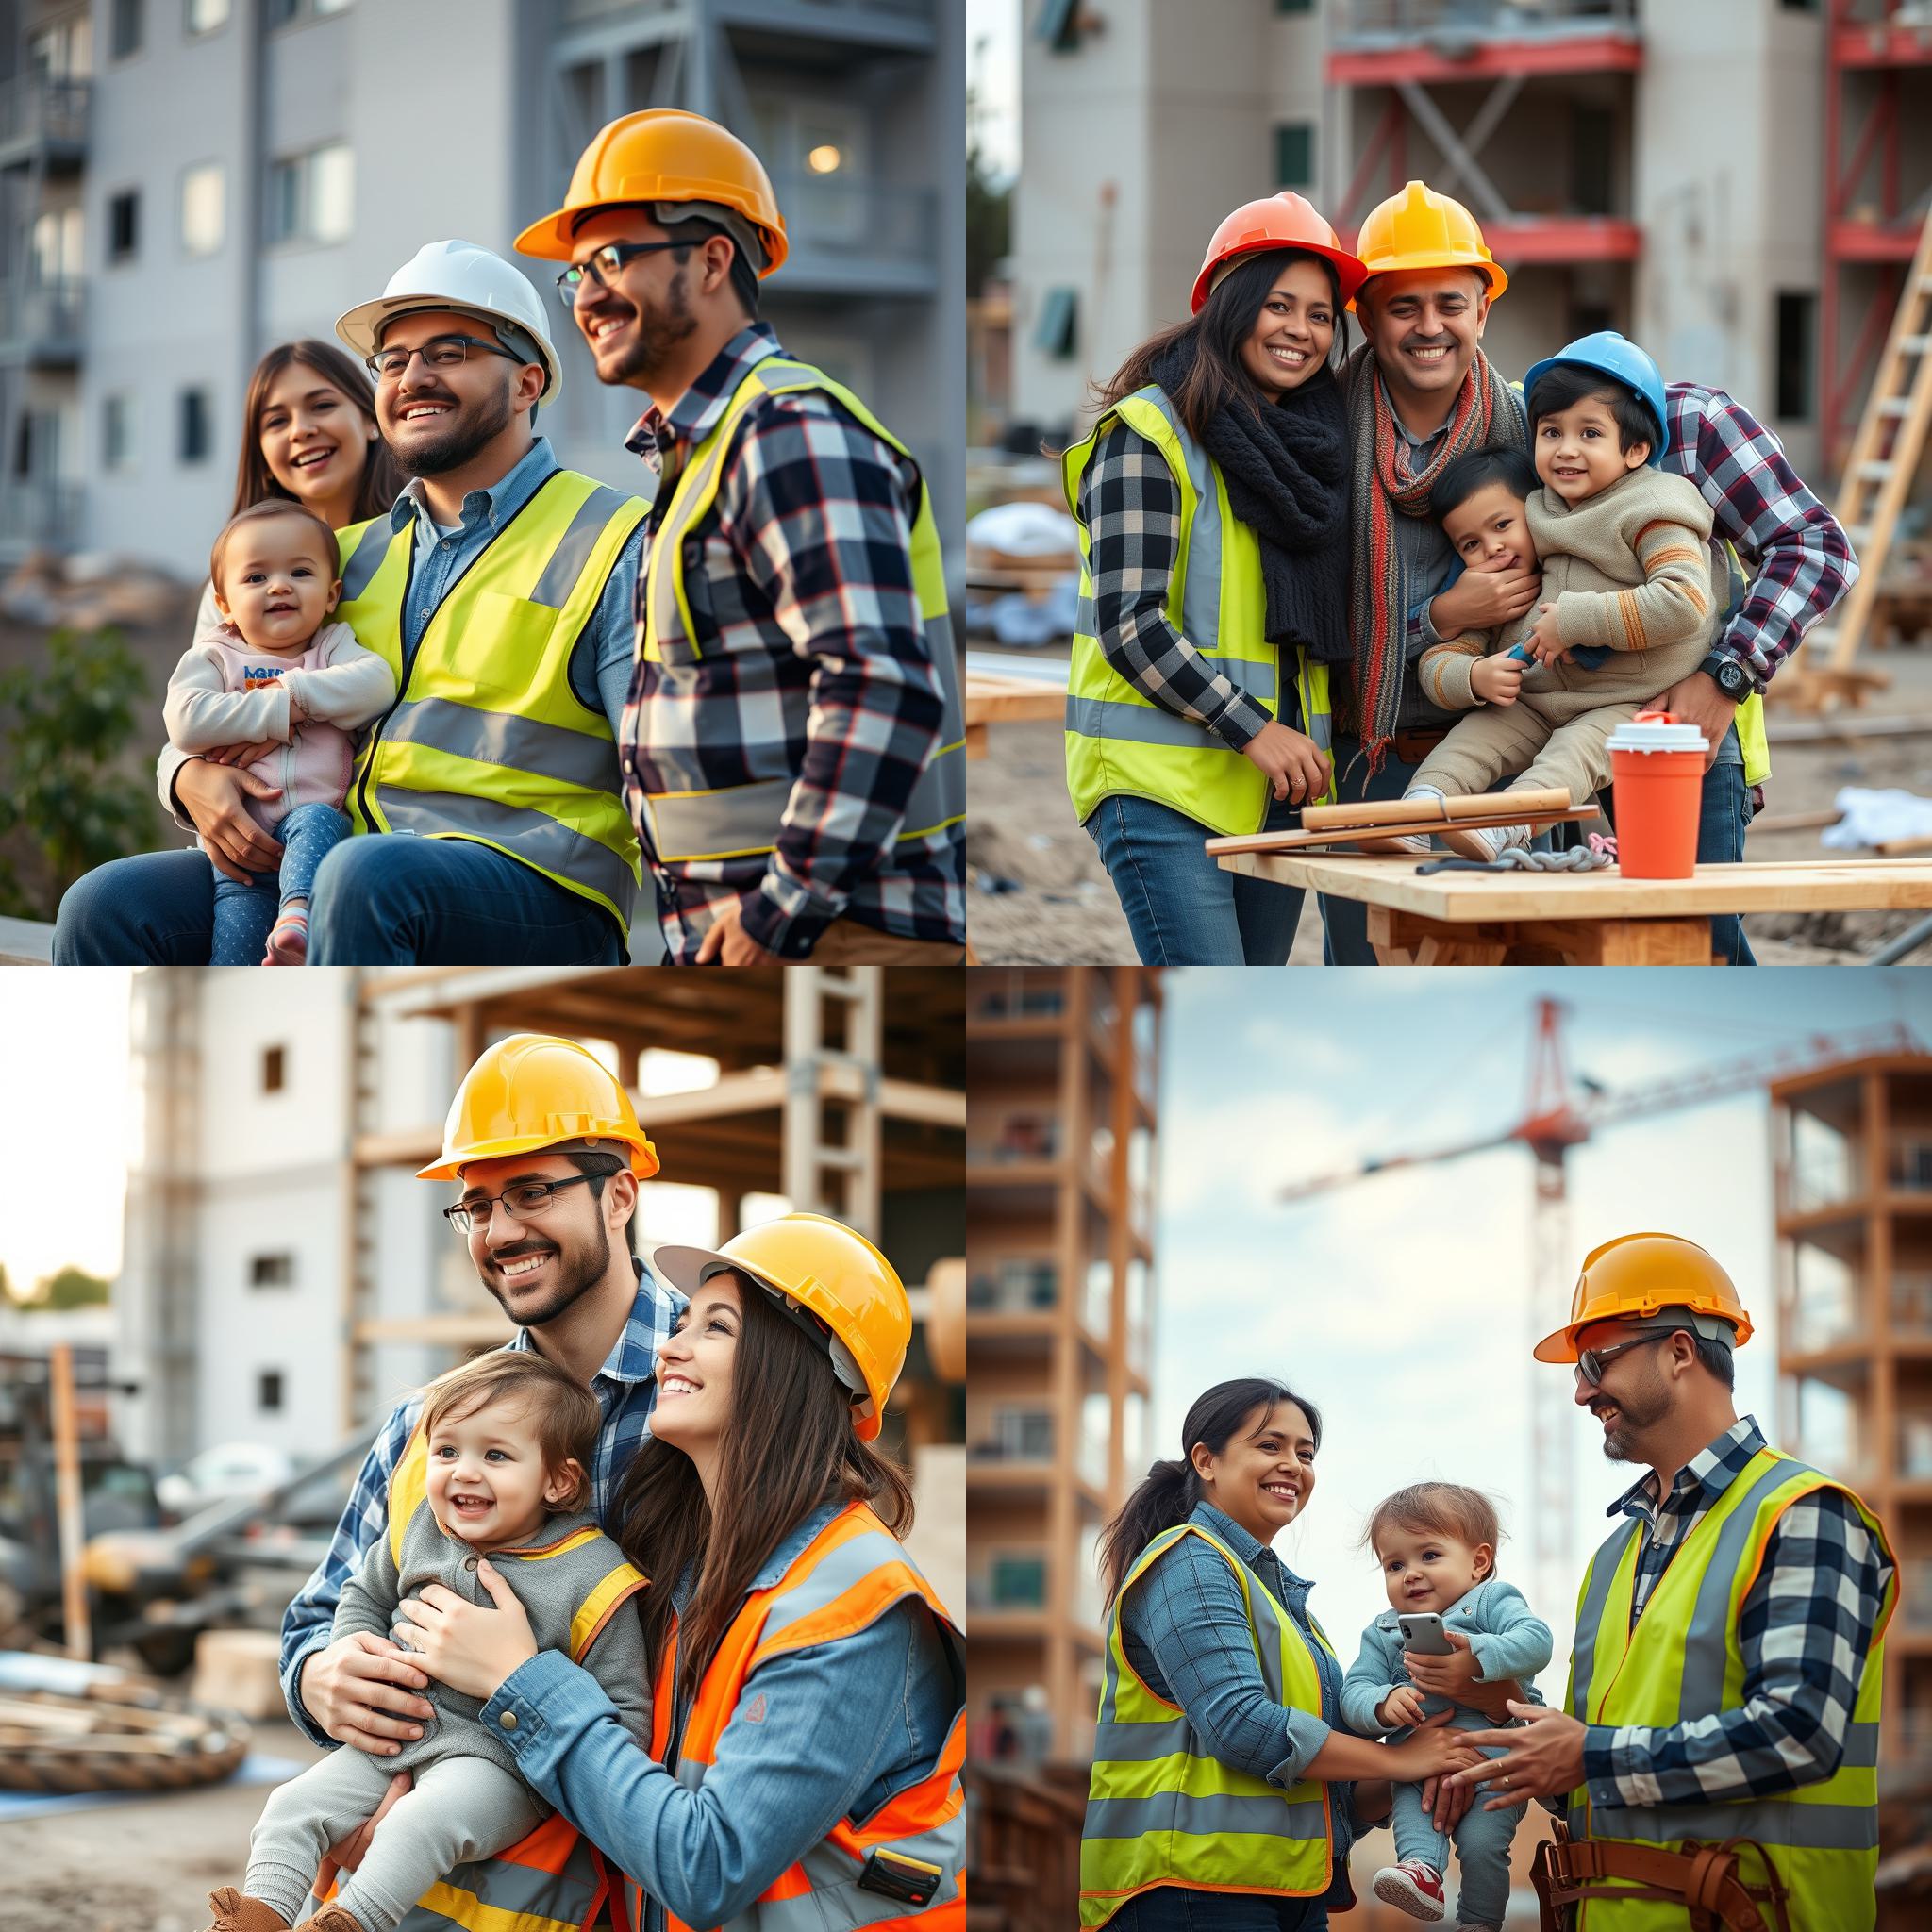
point(1422, 1630)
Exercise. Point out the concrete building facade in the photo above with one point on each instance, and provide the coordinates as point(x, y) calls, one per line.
point(1062, 1121)
point(184, 183)
point(1657, 169)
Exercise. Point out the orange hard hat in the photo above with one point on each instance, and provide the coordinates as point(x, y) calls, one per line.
point(532, 1091)
point(1277, 220)
point(838, 1277)
point(666, 154)
point(1634, 1276)
point(1420, 228)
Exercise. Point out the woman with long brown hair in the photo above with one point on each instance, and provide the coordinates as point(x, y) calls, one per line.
point(1213, 499)
point(1221, 1792)
point(809, 1687)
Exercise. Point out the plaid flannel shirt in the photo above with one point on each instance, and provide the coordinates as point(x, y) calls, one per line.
point(810, 639)
point(626, 1392)
point(1131, 507)
point(1811, 1611)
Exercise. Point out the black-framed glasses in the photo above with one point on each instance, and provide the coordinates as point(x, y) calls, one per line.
point(520, 1202)
point(1589, 1361)
point(602, 263)
point(439, 353)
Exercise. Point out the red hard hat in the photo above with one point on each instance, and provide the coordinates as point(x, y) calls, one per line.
point(1278, 220)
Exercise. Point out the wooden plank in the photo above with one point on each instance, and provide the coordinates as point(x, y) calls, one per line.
point(1812, 730)
point(1432, 811)
point(1378, 838)
point(1794, 886)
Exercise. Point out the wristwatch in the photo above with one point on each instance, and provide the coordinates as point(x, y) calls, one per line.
point(1729, 677)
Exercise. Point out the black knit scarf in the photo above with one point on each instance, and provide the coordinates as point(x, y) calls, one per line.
point(1287, 471)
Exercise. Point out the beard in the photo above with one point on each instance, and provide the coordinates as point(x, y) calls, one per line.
point(658, 332)
point(1642, 1409)
point(464, 434)
point(578, 1271)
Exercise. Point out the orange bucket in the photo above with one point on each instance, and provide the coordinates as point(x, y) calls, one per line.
point(1657, 770)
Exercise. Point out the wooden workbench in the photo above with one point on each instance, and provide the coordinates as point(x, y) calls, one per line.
point(998, 698)
point(1577, 919)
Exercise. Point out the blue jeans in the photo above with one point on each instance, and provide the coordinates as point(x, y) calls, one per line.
point(1482, 1845)
point(1181, 908)
point(244, 914)
point(1723, 814)
point(381, 899)
point(1179, 1908)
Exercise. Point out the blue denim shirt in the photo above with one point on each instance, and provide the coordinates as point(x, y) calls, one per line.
point(838, 1729)
point(1186, 1632)
point(600, 662)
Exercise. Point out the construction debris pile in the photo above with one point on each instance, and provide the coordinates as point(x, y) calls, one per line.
point(92, 591)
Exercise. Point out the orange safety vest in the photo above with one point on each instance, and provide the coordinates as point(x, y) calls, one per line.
point(902, 1869)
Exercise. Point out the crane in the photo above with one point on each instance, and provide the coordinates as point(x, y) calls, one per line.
point(1559, 1113)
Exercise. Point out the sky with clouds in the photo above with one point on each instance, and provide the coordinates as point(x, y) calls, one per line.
point(1403, 1306)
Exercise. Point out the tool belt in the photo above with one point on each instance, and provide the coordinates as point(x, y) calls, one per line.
point(1706, 1880)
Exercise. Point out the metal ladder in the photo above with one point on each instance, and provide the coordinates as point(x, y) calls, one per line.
point(1883, 460)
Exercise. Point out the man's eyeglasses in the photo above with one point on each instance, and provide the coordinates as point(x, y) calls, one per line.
point(610, 259)
point(439, 353)
point(1589, 1361)
point(520, 1202)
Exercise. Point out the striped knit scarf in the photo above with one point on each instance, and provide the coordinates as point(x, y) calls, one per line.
point(1488, 415)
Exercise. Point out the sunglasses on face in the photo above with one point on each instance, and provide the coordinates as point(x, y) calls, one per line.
point(1589, 1361)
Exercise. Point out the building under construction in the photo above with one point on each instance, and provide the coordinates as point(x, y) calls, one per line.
point(1739, 185)
point(287, 1278)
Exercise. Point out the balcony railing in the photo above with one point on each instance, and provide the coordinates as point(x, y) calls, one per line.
point(886, 235)
point(1019, 1138)
point(1911, 1304)
point(42, 515)
point(1908, 1167)
point(34, 109)
point(1014, 1288)
point(1018, 1435)
point(41, 321)
point(1489, 18)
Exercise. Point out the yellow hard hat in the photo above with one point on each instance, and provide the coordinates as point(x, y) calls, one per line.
point(666, 154)
point(1632, 1278)
point(1420, 228)
point(533, 1091)
point(837, 1277)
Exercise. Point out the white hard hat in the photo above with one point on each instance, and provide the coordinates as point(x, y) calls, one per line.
point(464, 276)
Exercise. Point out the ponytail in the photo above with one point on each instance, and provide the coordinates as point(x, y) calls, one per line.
point(1170, 1490)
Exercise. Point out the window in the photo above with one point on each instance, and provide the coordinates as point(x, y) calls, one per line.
point(203, 16)
point(195, 437)
point(311, 197)
point(124, 25)
point(1059, 25)
point(1294, 6)
point(1592, 146)
point(202, 208)
point(1797, 332)
point(124, 225)
point(268, 1391)
point(274, 1068)
point(287, 12)
point(1294, 154)
point(271, 1271)
point(1019, 1583)
point(117, 432)
point(1058, 330)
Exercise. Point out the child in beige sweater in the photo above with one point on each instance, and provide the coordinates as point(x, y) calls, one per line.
point(1630, 595)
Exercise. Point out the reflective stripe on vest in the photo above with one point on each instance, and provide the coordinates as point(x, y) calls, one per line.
point(700, 822)
point(1684, 1661)
point(841, 1582)
point(1118, 741)
point(487, 742)
point(1161, 1809)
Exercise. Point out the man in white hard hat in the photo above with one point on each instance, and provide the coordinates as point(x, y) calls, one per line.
point(500, 589)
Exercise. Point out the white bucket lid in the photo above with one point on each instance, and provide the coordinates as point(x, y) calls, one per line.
point(1656, 731)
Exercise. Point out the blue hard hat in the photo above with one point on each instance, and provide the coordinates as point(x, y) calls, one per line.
point(1610, 353)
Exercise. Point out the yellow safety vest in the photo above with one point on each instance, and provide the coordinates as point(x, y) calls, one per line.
point(487, 741)
point(1118, 741)
point(1684, 1661)
point(1750, 719)
point(691, 821)
point(1161, 1809)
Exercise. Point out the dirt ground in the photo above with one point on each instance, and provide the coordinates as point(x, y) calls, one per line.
point(136, 1867)
point(1038, 895)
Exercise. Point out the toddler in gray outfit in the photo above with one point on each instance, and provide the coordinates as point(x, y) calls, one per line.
point(1437, 1545)
point(509, 1439)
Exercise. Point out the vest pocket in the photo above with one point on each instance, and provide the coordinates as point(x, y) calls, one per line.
point(501, 655)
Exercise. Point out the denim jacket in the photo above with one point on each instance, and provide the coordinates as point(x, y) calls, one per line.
point(1507, 1636)
point(837, 1730)
point(1186, 1632)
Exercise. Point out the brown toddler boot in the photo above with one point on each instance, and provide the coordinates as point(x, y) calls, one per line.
point(235, 1911)
point(330, 1918)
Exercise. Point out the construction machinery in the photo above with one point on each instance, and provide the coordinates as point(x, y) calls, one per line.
point(1560, 1113)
